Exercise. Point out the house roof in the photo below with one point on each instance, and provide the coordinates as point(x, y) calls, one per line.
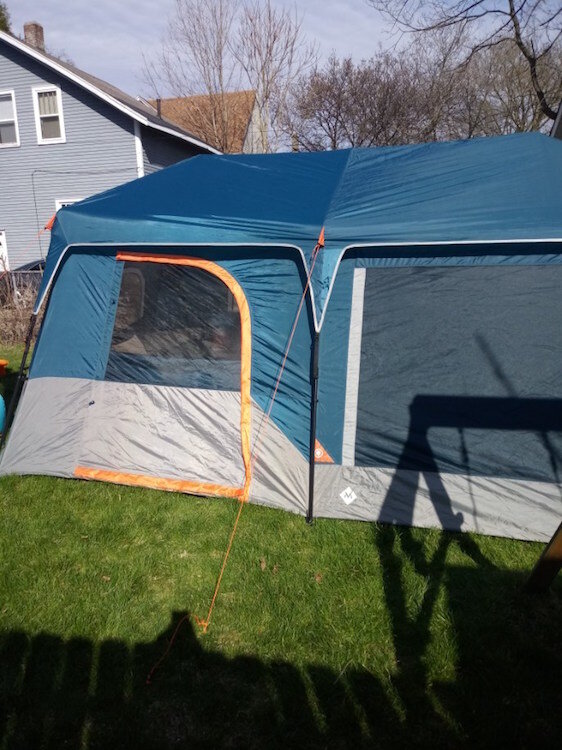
point(195, 113)
point(138, 110)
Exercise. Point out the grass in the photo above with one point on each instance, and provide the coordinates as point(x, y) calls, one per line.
point(337, 635)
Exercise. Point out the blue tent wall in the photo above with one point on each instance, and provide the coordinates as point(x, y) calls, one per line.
point(458, 402)
point(76, 333)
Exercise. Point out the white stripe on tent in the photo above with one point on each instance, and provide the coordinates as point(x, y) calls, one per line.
point(317, 325)
point(353, 367)
point(187, 245)
point(427, 243)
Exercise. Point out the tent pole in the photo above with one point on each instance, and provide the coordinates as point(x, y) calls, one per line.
point(19, 380)
point(313, 409)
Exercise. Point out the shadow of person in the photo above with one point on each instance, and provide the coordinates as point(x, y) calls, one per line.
point(78, 694)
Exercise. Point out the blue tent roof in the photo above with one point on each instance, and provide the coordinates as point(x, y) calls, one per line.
point(481, 190)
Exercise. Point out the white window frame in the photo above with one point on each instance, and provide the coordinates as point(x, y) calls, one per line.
point(62, 202)
point(46, 141)
point(17, 143)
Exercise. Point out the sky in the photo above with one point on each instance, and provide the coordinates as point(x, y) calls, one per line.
point(108, 38)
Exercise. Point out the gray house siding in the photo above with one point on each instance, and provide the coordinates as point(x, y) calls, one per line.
point(99, 153)
point(161, 150)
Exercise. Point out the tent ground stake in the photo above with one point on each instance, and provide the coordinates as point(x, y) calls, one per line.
point(313, 409)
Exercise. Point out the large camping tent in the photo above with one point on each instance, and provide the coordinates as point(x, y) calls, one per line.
point(428, 280)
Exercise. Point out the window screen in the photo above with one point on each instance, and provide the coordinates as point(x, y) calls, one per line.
point(49, 114)
point(175, 325)
point(460, 371)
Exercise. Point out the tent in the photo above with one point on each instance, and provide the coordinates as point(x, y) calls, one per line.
point(365, 334)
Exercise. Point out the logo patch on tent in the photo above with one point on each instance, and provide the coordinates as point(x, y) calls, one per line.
point(348, 496)
point(321, 455)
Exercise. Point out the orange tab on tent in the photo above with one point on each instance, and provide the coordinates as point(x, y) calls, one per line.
point(321, 455)
point(158, 483)
point(50, 223)
point(320, 242)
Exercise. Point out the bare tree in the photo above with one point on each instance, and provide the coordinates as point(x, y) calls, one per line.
point(344, 104)
point(533, 26)
point(214, 47)
point(273, 53)
point(433, 61)
point(420, 94)
point(505, 84)
point(196, 58)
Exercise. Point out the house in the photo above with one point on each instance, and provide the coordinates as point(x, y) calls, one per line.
point(65, 135)
point(230, 121)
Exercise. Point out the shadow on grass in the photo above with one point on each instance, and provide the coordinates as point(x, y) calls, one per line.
point(73, 694)
point(506, 686)
point(505, 690)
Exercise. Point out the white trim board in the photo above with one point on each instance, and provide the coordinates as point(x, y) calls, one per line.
point(138, 149)
point(4, 260)
point(353, 367)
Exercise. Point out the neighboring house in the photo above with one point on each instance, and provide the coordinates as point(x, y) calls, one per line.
point(231, 122)
point(556, 131)
point(65, 135)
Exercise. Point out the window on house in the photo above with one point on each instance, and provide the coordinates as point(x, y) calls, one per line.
point(49, 122)
point(62, 202)
point(9, 135)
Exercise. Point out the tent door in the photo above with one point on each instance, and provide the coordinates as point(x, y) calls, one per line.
point(174, 409)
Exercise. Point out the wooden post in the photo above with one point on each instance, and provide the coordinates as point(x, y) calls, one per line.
point(548, 565)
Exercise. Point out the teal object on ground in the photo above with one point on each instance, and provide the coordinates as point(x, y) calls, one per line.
point(2, 414)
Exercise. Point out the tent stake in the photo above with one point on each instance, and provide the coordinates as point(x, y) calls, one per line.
point(313, 408)
point(19, 380)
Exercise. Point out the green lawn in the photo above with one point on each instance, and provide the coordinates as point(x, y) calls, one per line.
point(335, 635)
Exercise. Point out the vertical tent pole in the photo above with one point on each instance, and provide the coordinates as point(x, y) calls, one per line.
point(313, 409)
point(19, 380)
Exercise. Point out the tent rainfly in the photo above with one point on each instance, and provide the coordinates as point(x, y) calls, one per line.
point(419, 385)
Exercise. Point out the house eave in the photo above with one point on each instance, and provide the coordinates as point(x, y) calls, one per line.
point(68, 74)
